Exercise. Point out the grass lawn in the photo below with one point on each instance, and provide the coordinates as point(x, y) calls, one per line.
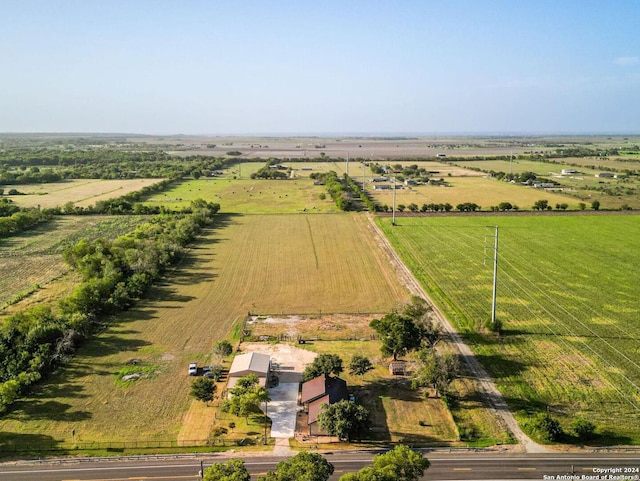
point(568, 300)
point(398, 413)
point(259, 263)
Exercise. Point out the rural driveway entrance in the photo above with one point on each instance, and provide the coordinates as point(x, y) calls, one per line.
point(282, 409)
point(288, 363)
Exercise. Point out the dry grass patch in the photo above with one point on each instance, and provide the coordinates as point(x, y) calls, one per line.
point(81, 192)
point(482, 191)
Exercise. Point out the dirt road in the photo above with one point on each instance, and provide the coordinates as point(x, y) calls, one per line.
point(484, 381)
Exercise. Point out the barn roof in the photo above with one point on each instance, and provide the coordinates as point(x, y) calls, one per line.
point(251, 361)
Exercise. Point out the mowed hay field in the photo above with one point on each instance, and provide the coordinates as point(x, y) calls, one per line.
point(568, 297)
point(31, 260)
point(479, 190)
point(249, 196)
point(258, 263)
point(81, 192)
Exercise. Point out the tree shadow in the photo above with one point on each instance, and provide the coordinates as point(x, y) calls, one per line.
point(40, 409)
point(498, 366)
point(14, 443)
point(111, 342)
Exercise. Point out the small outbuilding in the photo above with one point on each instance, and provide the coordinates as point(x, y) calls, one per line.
point(397, 368)
point(250, 363)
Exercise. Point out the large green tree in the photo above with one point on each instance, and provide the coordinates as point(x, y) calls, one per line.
point(359, 365)
point(232, 470)
point(344, 419)
point(247, 396)
point(398, 333)
point(303, 466)
point(436, 370)
point(399, 464)
point(323, 364)
point(203, 389)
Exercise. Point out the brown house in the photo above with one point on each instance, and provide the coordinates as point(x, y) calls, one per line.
point(318, 391)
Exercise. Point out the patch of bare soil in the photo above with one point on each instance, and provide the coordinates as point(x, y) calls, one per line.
point(326, 327)
point(288, 361)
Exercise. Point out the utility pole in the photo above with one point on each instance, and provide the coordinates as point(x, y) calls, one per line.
point(266, 407)
point(347, 169)
point(495, 274)
point(393, 209)
point(363, 173)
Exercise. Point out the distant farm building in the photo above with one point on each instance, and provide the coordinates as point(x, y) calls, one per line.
point(250, 363)
point(318, 391)
point(543, 185)
point(606, 175)
point(570, 171)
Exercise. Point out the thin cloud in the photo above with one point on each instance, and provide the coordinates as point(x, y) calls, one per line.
point(626, 61)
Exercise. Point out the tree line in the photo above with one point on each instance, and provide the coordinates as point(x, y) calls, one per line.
point(114, 275)
point(34, 166)
point(338, 190)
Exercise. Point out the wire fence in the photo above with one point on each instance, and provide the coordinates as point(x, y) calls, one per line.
point(121, 446)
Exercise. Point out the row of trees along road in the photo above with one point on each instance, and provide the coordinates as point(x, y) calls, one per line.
point(398, 464)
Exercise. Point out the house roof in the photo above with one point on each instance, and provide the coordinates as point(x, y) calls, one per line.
point(320, 386)
point(315, 407)
point(251, 361)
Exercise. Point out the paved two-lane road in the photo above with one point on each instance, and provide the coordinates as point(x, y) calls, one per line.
point(444, 466)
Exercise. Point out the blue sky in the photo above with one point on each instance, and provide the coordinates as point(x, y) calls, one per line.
point(330, 67)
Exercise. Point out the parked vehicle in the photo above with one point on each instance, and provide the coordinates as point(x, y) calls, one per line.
point(193, 369)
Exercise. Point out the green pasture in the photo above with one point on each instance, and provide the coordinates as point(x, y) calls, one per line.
point(249, 196)
point(568, 298)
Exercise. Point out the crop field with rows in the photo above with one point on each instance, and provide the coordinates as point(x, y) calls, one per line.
point(568, 298)
point(31, 260)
